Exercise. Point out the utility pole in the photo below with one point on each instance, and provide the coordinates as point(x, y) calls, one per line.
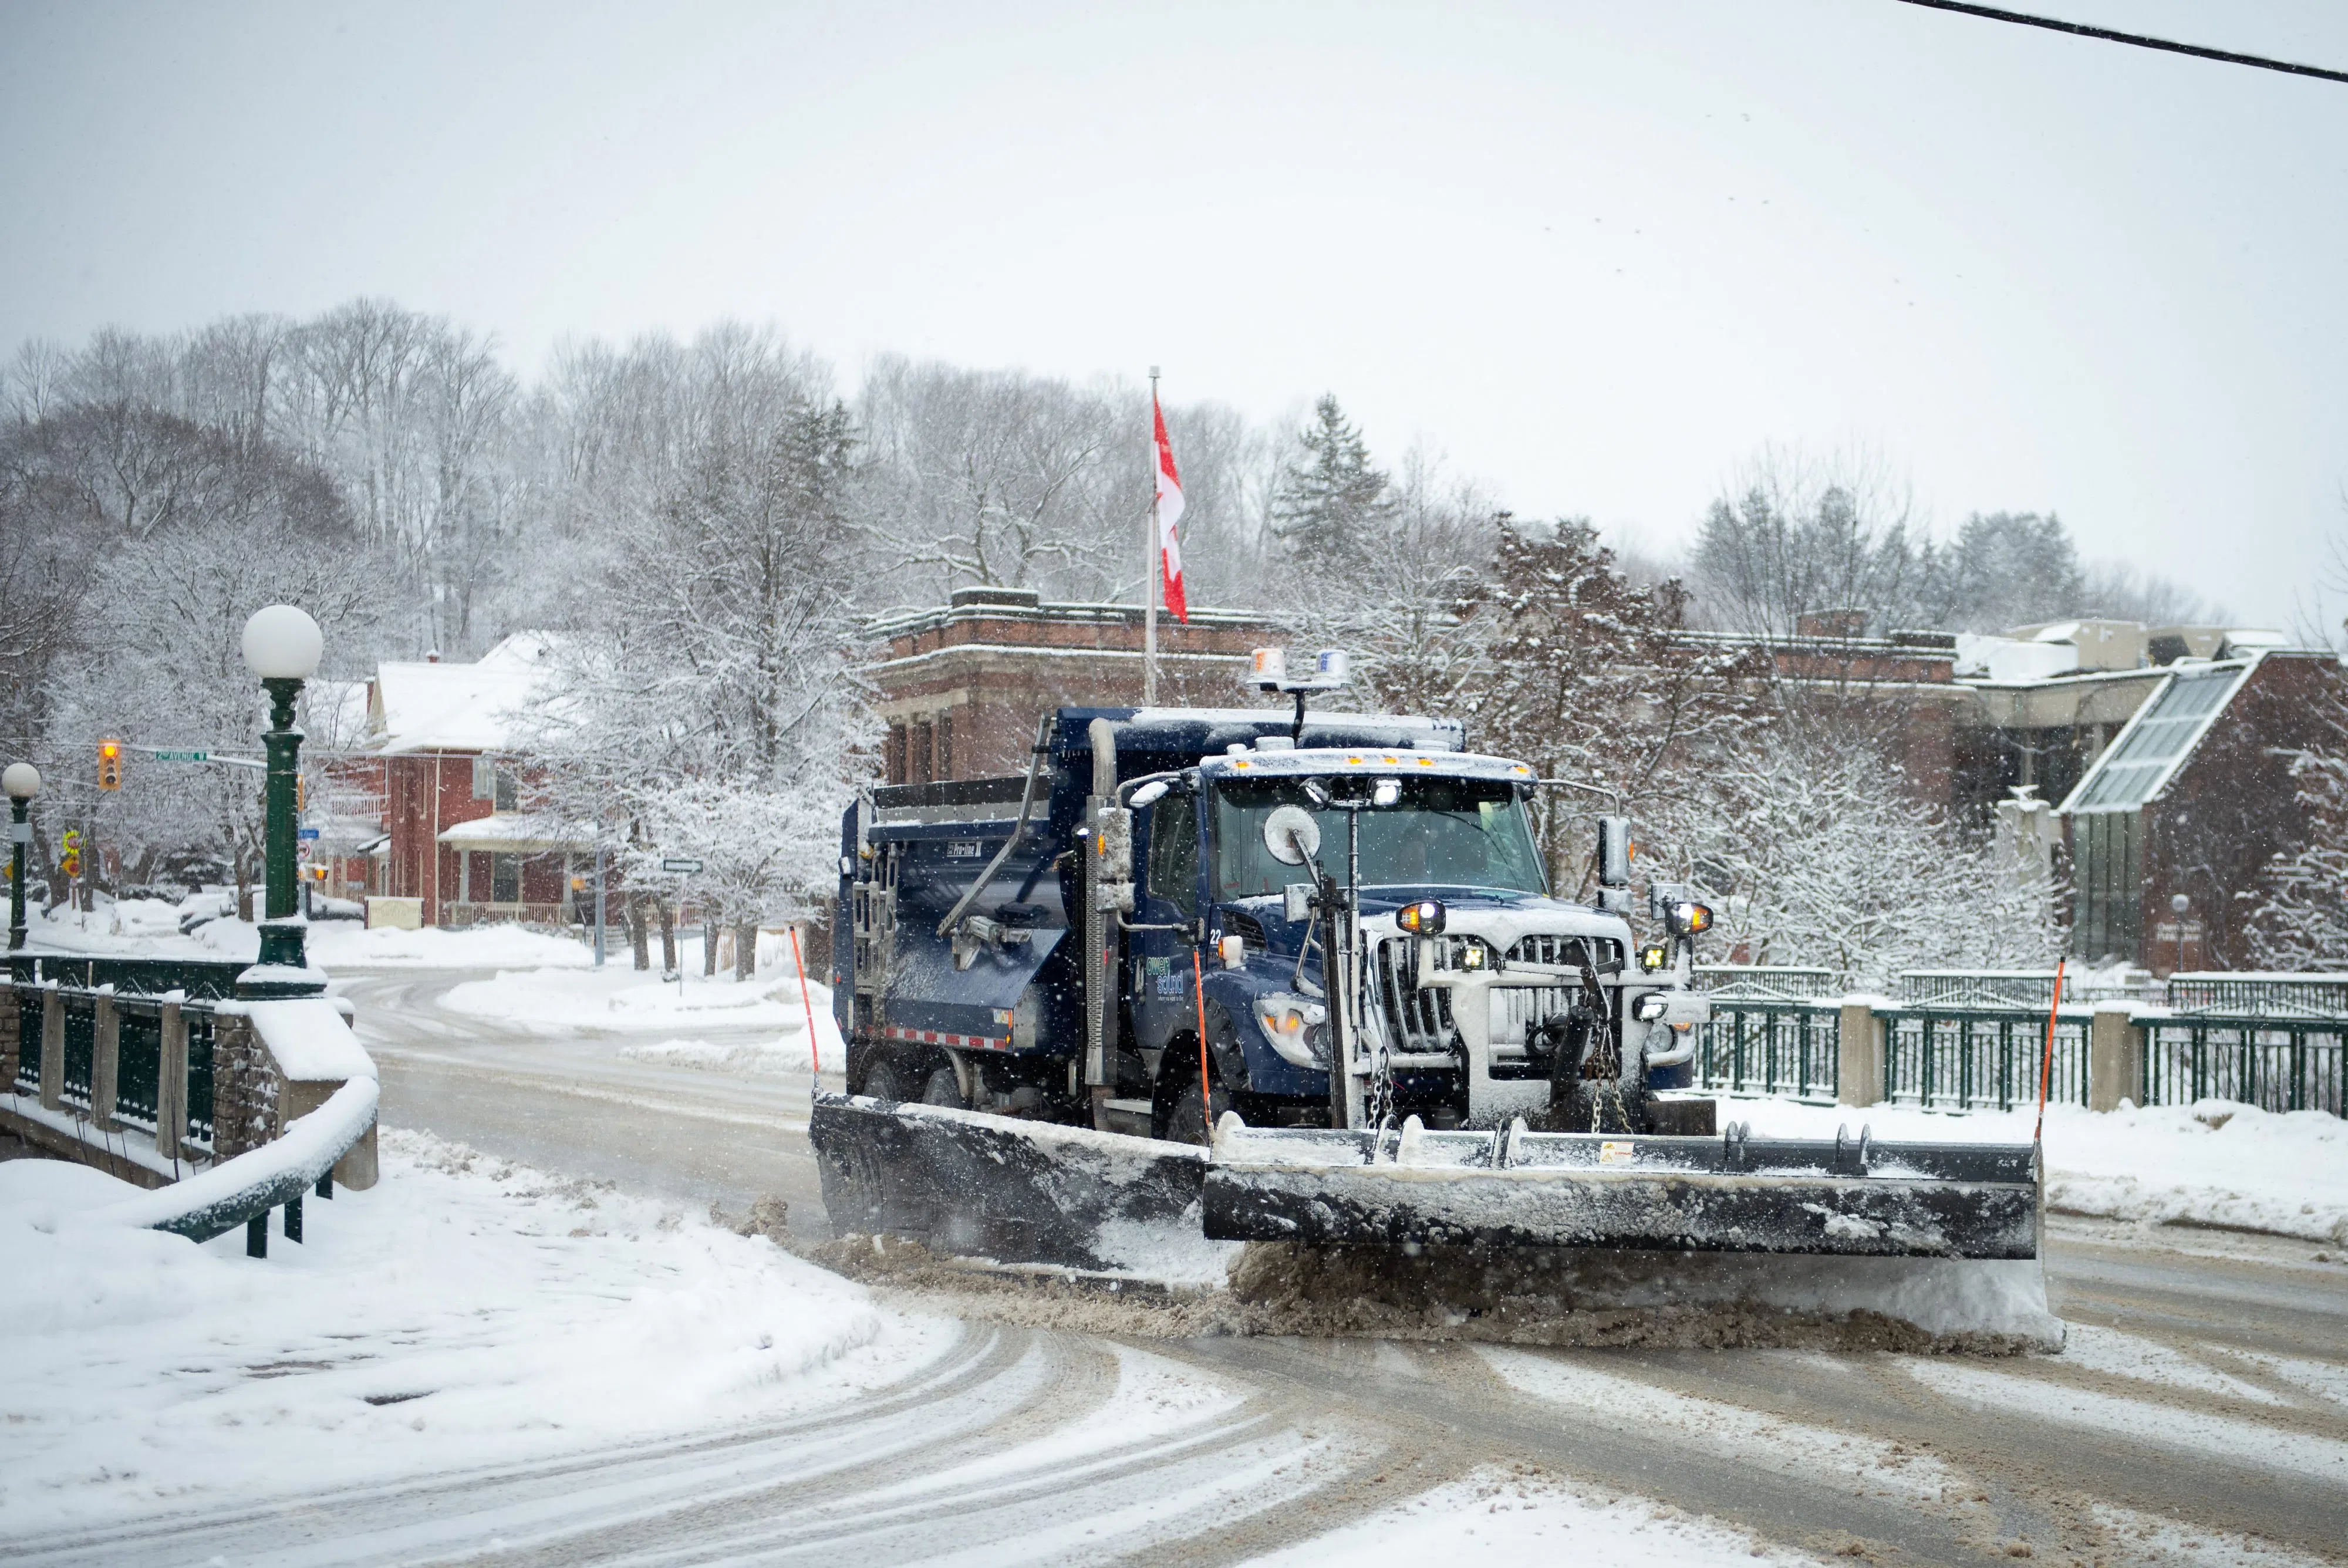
point(1149, 570)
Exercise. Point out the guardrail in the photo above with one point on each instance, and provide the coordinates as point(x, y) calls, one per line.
point(234, 1093)
point(123, 1061)
point(2273, 1063)
point(2260, 996)
point(1788, 1050)
point(201, 979)
point(1956, 1057)
point(1967, 1058)
point(1767, 981)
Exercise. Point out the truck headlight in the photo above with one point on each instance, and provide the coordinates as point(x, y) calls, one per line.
point(1296, 1027)
point(1652, 1006)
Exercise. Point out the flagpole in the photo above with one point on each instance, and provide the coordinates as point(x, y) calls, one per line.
point(1149, 567)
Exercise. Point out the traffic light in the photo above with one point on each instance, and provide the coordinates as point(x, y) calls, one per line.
point(109, 764)
point(71, 862)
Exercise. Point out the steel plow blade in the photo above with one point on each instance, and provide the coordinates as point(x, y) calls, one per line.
point(1015, 1191)
point(1517, 1189)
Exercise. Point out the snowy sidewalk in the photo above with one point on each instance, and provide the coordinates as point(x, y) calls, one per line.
point(463, 1313)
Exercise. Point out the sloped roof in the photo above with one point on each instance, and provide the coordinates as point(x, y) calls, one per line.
point(486, 706)
point(2146, 754)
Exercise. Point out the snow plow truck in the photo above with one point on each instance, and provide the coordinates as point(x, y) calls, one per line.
point(1251, 976)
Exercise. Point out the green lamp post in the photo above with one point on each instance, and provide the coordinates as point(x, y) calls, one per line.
point(281, 645)
point(22, 781)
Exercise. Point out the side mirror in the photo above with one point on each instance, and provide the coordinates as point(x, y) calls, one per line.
point(1614, 852)
point(1292, 835)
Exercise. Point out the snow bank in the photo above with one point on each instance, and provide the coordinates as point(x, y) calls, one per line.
point(2215, 1162)
point(624, 1000)
point(463, 1313)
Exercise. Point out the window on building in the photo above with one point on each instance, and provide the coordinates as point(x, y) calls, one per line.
point(508, 788)
point(485, 777)
point(919, 769)
point(505, 878)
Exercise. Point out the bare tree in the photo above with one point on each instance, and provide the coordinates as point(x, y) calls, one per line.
point(1800, 535)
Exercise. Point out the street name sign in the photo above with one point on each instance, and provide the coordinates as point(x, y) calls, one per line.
point(181, 756)
point(680, 863)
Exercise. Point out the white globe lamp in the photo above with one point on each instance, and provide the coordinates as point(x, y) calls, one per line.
point(283, 644)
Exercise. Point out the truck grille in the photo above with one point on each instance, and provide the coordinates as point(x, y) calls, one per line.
point(1417, 1021)
point(1420, 1021)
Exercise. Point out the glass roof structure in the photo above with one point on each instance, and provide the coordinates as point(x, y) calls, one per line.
point(2163, 733)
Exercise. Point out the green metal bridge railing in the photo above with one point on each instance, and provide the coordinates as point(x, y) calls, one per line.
point(1958, 1058)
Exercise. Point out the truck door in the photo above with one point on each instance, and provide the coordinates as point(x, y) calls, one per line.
point(1158, 973)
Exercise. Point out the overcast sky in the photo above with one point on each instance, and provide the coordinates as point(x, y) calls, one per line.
point(1598, 254)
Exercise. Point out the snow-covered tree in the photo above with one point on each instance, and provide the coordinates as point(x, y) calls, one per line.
point(2299, 907)
point(167, 669)
point(1820, 854)
point(1583, 677)
point(714, 711)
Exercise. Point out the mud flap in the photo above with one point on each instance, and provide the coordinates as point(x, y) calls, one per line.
point(1519, 1189)
point(976, 1185)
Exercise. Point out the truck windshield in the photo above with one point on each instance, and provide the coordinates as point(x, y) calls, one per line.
point(1446, 832)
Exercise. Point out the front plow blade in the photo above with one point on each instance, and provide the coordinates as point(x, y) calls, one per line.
point(1583, 1190)
point(1015, 1191)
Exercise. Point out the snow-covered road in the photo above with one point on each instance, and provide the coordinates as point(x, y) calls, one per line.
point(2200, 1414)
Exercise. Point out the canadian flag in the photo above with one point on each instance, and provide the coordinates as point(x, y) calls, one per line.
point(1169, 512)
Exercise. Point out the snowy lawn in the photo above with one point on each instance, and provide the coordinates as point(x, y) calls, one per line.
point(2212, 1163)
point(461, 1313)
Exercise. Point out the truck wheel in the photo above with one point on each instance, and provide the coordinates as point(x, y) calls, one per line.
point(1183, 1122)
point(881, 1080)
point(944, 1088)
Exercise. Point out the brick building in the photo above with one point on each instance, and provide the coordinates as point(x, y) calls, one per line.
point(962, 687)
point(462, 839)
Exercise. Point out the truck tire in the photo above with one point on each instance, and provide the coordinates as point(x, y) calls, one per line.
point(1183, 1122)
point(944, 1088)
point(881, 1082)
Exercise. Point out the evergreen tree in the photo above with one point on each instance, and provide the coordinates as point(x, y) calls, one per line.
point(1332, 498)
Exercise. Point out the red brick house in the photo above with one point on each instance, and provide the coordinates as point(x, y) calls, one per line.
point(453, 743)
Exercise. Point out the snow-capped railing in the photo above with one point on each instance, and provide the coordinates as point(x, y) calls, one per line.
point(242, 1191)
point(2253, 994)
point(251, 1104)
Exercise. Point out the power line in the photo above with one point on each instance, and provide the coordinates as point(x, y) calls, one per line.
point(2081, 30)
